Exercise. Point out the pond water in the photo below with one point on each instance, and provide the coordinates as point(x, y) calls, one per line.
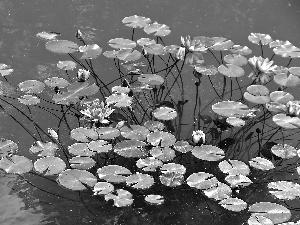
point(100, 21)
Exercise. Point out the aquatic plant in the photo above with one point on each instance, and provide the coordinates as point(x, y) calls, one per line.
point(127, 134)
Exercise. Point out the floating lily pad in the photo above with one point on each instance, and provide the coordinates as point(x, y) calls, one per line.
point(287, 50)
point(242, 50)
point(165, 113)
point(113, 173)
point(231, 70)
point(234, 167)
point(182, 146)
point(5, 69)
point(221, 44)
point(103, 188)
point(233, 204)
point(163, 154)
point(76, 180)
point(135, 132)
point(287, 80)
point(90, 51)
point(62, 46)
point(164, 139)
point(236, 59)
point(154, 125)
point(258, 94)
point(49, 165)
point(276, 107)
point(281, 97)
point(154, 199)
point(275, 212)
point(7, 147)
point(119, 43)
point(284, 151)
point(258, 38)
point(32, 86)
point(136, 21)
point(124, 54)
point(261, 163)
point(151, 79)
point(158, 29)
point(16, 164)
point(82, 163)
point(238, 180)
point(155, 49)
point(202, 180)
point(149, 164)
point(285, 190)
point(80, 149)
point(173, 168)
point(29, 100)
point(56, 82)
point(236, 122)
point(100, 146)
point(219, 192)
point(107, 133)
point(171, 179)
point(145, 41)
point(207, 70)
point(44, 148)
point(66, 65)
point(286, 122)
point(208, 152)
point(84, 134)
point(121, 199)
point(130, 148)
point(140, 181)
point(119, 100)
point(231, 109)
point(259, 220)
point(47, 35)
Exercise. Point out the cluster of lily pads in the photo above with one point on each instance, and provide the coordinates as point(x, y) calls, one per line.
point(128, 138)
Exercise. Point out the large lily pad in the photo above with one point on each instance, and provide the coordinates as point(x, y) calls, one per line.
point(284, 151)
point(286, 121)
point(219, 192)
point(16, 164)
point(121, 199)
point(66, 65)
point(233, 204)
point(103, 188)
point(164, 113)
point(234, 167)
point(84, 134)
point(231, 70)
point(208, 152)
point(107, 133)
point(158, 29)
point(231, 109)
point(62, 46)
point(287, 50)
point(164, 139)
point(258, 94)
point(119, 43)
point(56, 82)
point(258, 38)
point(49, 165)
point(284, 190)
point(163, 154)
point(261, 163)
point(44, 148)
point(155, 49)
point(82, 163)
point(236, 59)
point(281, 97)
point(113, 173)
point(136, 21)
point(76, 180)
point(202, 180)
point(287, 80)
point(135, 132)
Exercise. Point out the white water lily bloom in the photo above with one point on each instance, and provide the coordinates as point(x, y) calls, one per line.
point(53, 133)
point(97, 112)
point(198, 136)
point(263, 68)
point(83, 75)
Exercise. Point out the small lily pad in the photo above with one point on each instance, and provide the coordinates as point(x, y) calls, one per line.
point(158, 29)
point(119, 43)
point(140, 181)
point(136, 21)
point(261, 163)
point(62, 46)
point(233, 204)
point(103, 188)
point(29, 100)
point(66, 65)
point(165, 113)
point(208, 152)
point(154, 199)
point(32, 86)
point(90, 51)
point(121, 199)
point(49, 165)
point(231, 70)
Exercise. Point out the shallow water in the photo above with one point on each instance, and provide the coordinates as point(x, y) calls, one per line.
point(100, 21)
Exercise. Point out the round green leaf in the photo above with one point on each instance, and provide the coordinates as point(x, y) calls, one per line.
point(56, 82)
point(286, 122)
point(29, 100)
point(103, 188)
point(49, 165)
point(208, 152)
point(151, 79)
point(140, 181)
point(136, 21)
point(231, 70)
point(66, 65)
point(84, 134)
point(158, 29)
point(82, 163)
point(261, 163)
point(121, 199)
point(16, 164)
point(202, 180)
point(32, 86)
point(113, 173)
point(90, 51)
point(62, 46)
point(164, 113)
point(119, 43)
point(233, 204)
point(130, 148)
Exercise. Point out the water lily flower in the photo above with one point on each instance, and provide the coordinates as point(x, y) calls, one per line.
point(83, 75)
point(53, 133)
point(293, 108)
point(96, 111)
point(198, 137)
point(263, 69)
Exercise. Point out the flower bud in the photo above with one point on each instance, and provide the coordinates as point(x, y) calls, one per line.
point(198, 137)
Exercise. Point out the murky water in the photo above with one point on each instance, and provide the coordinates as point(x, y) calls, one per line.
point(100, 21)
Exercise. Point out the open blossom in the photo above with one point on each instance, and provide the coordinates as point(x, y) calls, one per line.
point(96, 111)
point(198, 137)
point(83, 75)
point(263, 69)
point(194, 46)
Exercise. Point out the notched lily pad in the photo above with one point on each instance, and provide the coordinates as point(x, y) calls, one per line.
point(136, 21)
point(158, 29)
point(16, 164)
point(32, 86)
point(49, 165)
point(151, 79)
point(44, 148)
point(286, 121)
point(62, 46)
point(165, 113)
point(121, 199)
point(130, 148)
point(140, 181)
point(90, 51)
point(208, 153)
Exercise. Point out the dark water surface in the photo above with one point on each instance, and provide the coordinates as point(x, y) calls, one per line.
point(100, 21)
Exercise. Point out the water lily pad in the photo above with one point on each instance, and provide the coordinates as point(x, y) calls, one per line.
point(258, 38)
point(165, 113)
point(287, 80)
point(158, 29)
point(241, 50)
point(277, 213)
point(119, 100)
point(151, 79)
point(121, 199)
point(7, 147)
point(163, 154)
point(113, 173)
point(56, 82)
point(62, 46)
point(47, 35)
point(154, 199)
point(149, 164)
point(49, 165)
point(66, 65)
point(258, 94)
point(90, 51)
point(261, 163)
point(287, 50)
point(259, 220)
point(82, 163)
point(5, 69)
point(44, 148)
point(171, 179)
point(100, 146)
point(276, 107)
point(206, 70)
point(231, 109)
point(136, 21)
point(238, 180)
point(76, 180)
point(145, 41)
point(107, 133)
point(234, 167)
point(286, 122)
point(294, 70)
point(103, 188)
point(135, 132)
point(16, 164)
point(182, 146)
point(162, 138)
point(119, 43)
point(233, 204)
point(231, 70)
point(154, 125)
point(140, 181)
point(219, 192)
point(29, 100)
point(284, 190)
point(32, 86)
point(124, 54)
point(130, 148)
point(236, 122)
point(222, 44)
point(208, 152)
point(281, 97)
point(80, 149)
point(155, 49)
point(202, 180)
point(83, 134)
point(236, 59)
point(284, 151)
